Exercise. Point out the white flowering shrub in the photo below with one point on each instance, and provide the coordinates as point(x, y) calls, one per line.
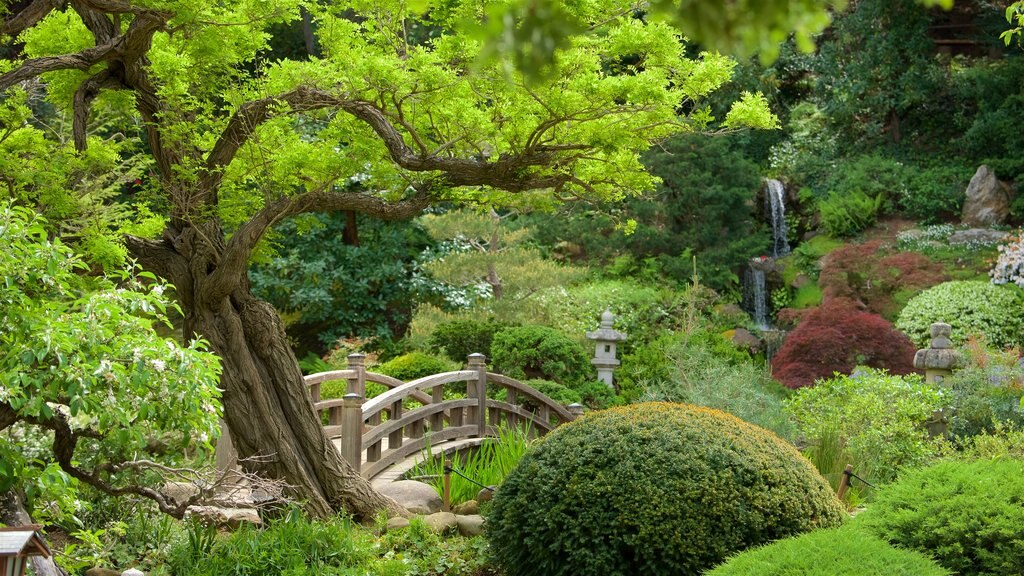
point(1009, 266)
point(82, 367)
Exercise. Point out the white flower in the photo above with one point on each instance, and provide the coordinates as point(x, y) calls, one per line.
point(158, 365)
point(158, 290)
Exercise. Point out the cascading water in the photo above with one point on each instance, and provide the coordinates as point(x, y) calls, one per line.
point(775, 207)
point(754, 295)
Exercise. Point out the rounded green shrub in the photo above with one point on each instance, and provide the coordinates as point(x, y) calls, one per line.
point(971, 307)
point(652, 488)
point(460, 338)
point(415, 365)
point(540, 352)
point(966, 515)
point(835, 552)
point(561, 394)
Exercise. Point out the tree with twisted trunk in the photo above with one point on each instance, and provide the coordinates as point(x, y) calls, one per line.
point(401, 111)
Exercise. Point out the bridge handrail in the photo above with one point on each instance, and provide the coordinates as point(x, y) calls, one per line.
point(366, 436)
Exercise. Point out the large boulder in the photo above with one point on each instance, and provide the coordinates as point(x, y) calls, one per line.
point(416, 497)
point(988, 200)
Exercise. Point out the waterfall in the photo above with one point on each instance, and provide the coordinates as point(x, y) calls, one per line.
point(754, 295)
point(775, 206)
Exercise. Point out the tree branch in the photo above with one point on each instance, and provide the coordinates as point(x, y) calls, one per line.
point(28, 17)
point(235, 260)
point(84, 96)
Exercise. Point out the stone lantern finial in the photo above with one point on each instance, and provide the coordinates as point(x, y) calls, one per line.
point(605, 339)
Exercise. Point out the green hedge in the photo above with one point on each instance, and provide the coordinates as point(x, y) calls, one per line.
point(969, 516)
point(970, 307)
point(652, 488)
point(835, 552)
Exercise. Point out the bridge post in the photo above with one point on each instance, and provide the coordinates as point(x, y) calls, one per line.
point(357, 362)
point(478, 414)
point(352, 430)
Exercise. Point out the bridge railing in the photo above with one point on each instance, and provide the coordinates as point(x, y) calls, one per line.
point(379, 432)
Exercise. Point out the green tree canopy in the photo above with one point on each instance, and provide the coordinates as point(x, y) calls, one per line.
point(397, 113)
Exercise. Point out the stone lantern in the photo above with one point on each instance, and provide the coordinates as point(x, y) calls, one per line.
point(17, 544)
point(605, 339)
point(939, 359)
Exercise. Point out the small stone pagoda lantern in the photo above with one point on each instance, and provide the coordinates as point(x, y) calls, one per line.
point(17, 543)
point(939, 359)
point(605, 339)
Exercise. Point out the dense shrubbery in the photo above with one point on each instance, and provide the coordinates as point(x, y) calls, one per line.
point(698, 376)
point(980, 399)
point(329, 289)
point(972, 308)
point(652, 489)
point(872, 276)
point(877, 419)
point(415, 365)
point(835, 337)
point(540, 352)
point(966, 515)
point(845, 215)
point(836, 552)
point(460, 338)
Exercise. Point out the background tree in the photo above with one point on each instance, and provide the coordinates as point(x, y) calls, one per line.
point(238, 143)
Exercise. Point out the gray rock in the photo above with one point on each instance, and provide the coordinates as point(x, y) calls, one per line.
point(745, 339)
point(223, 517)
point(988, 200)
point(470, 525)
point(416, 497)
point(485, 494)
point(133, 572)
point(397, 523)
point(441, 522)
point(97, 571)
point(468, 507)
point(977, 236)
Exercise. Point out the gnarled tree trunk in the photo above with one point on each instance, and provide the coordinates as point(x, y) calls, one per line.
point(273, 425)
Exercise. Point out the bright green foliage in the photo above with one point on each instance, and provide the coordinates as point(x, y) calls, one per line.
point(292, 545)
point(540, 352)
point(416, 365)
point(966, 515)
point(460, 338)
point(972, 308)
point(652, 489)
point(487, 464)
point(701, 377)
point(79, 356)
point(845, 215)
point(1015, 16)
point(879, 419)
point(836, 552)
point(332, 290)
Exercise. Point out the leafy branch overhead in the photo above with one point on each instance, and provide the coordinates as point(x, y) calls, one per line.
point(177, 109)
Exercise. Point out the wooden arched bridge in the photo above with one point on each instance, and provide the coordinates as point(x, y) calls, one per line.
point(383, 437)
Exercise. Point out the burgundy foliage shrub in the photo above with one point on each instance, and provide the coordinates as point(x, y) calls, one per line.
point(871, 275)
point(836, 337)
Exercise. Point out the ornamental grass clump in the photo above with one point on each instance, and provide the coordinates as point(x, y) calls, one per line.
point(969, 516)
point(653, 488)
